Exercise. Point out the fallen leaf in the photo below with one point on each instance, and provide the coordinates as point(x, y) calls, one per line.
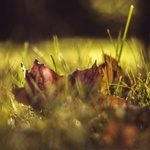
point(112, 73)
point(42, 82)
point(85, 82)
point(41, 76)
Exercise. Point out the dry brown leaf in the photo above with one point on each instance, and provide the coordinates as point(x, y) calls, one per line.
point(111, 72)
point(86, 82)
point(41, 75)
point(87, 76)
point(43, 81)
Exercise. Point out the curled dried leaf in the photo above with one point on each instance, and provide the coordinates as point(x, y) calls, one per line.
point(39, 80)
point(88, 84)
point(41, 75)
point(86, 81)
point(112, 74)
point(87, 76)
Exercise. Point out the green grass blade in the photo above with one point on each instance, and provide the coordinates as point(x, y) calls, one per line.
point(125, 31)
point(52, 58)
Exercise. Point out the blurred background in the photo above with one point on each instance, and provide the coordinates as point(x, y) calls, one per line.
point(34, 20)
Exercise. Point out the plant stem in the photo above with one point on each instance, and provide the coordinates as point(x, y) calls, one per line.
point(125, 31)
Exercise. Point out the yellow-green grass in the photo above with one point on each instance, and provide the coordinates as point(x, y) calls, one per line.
point(20, 126)
point(78, 53)
point(68, 54)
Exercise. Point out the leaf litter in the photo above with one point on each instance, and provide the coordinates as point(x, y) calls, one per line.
point(98, 99)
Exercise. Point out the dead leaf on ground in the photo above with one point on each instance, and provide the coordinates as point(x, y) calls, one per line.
point(43, 82)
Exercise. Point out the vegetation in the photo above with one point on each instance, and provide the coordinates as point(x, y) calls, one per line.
point(69, 121)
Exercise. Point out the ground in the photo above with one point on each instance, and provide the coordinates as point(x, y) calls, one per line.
point(66, 122)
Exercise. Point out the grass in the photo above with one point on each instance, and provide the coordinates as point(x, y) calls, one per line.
point(21, 126)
